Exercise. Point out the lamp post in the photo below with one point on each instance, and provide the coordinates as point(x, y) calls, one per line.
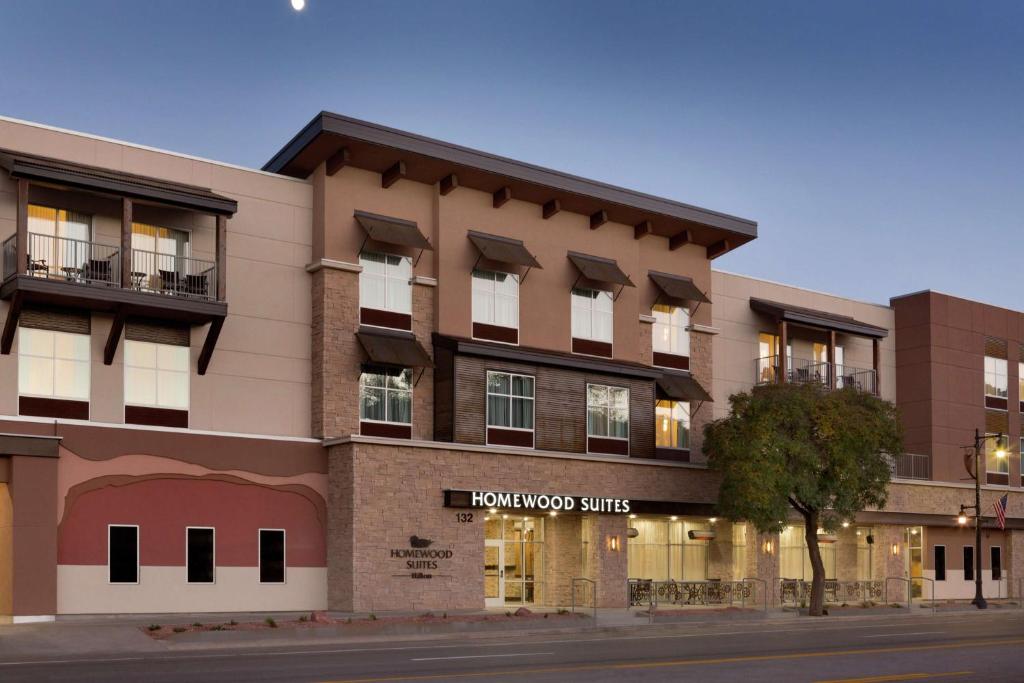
point(979, 440)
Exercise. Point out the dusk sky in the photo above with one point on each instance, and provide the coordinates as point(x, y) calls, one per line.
point(879, 145)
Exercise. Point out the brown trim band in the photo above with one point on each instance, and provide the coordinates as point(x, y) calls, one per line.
point(157, 417)
point(508, 335)
point(996, 403)
point(590, 347)
point(391, 431)
point(378, 318)
point(998, 478)
point(596, 444)
point(53, 407)
point(671, 360)
point(676, 454)
point(496, 436)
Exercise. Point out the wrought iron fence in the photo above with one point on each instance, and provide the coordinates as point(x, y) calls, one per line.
point(712, 592)
point(174, 275)
point(798, 591)
point(805, 371)
point(65, 259)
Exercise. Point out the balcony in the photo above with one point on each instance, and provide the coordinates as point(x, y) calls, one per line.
point(911, 466)
point(805, 371)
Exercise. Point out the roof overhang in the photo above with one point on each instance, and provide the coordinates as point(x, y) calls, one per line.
point(824, 320)
point(378, 148)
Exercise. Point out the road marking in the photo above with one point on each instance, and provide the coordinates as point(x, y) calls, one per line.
point(912, 633)
point(684, 662)
point(514, 654)
point(897, 677)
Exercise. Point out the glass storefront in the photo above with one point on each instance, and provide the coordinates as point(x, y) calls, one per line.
point(865, 551)
point(513, 560)
point(794, 559)
point(663, 550)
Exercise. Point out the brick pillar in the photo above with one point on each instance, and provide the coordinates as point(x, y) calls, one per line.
point(563, 548)
point(335, 353)
point(700, 368)
point(610, 566)
point(423, 394)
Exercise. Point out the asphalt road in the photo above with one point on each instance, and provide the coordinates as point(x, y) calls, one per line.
point(926, 648)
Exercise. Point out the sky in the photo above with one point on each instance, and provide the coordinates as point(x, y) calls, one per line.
point(879, 145)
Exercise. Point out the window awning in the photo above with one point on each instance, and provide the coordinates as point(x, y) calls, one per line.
point(677, 289)
point(91, 179)
point(820, 319)
point(598, 269)
point(393, 348)
point(680, 387)
point(503, 249)
point(392, 230)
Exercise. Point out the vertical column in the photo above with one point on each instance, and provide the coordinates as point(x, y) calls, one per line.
point(22, 256)
point(126, 243)
point(876, 363)
point(222, 257)
point(783, 344)
point(832, 370)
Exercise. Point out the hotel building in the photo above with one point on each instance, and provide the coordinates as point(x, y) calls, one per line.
point(387, 372)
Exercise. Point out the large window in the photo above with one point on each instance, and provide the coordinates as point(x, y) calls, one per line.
point(385, 395)
point(156, 375)
point(995, 377)
point(995, 464)
point(510, 401)
point(739, 551)
point(670, 330)
point(199, 554)
point(122, 553)
point(672, 424)
point(663, 550)
point(272, 558)
point(607, 412)
point(768, 357)
point(496, 298)
point(795, 560)
point(865, 570)
point(58, 240)
point(592, 315)
point(385, 283)
point(53, 364)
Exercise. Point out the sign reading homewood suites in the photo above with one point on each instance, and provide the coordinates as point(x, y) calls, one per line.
point(540, 502)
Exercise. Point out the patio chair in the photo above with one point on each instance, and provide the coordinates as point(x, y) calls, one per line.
point(195, 285)
point(169, 281)
point(97, 270)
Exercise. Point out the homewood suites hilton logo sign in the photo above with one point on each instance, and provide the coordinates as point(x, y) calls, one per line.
point(543, 502)
point(419, 556)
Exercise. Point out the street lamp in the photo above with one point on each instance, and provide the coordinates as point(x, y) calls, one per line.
point(1001, 452)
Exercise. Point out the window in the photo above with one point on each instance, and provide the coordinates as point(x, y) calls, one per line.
point(670, 330)
point(607, 412)
point(795, 559)
point(385, 284)
point(940, 563)
point(768, 357)
point(53, 364)
point(968, 563)
point(997, 562)
point(672, 424)
point(739, 551)
point(155, 249)
point(663, 550)
point(58, 240)
point(272, 562)
point(865, 571)
point(993, 463)
point(592, 315)
point(156, 375)
point(385, 395)
point(123, 553)
point(995, 377)
point(509, 401)
point(496, 298)
point(199, 554)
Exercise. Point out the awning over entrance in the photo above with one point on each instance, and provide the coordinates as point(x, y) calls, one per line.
point(799, 315)
point(393, 348)
point(677, 289)
point(392, 230)
point(503, 249)
point(680, 387)
point(603, 270)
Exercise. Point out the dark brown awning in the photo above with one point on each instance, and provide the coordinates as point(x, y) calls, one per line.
point(679, 387)
point(503, 249)
point(393, 348)
point(820, 319)
point(91, 179)
point(600, 269)
point(392, 230)
point(677, 289)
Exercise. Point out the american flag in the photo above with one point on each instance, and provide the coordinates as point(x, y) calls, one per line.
point(1000, 507)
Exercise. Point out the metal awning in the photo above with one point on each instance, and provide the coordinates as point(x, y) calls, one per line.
point(103, 181)
point(677, 289)
point(598, 269)
point(503, 249)
point(680, 387)
point(392, 230)
point(820, 319)
point(393, 348)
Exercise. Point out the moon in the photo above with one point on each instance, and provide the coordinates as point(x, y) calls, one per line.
point(298, 5)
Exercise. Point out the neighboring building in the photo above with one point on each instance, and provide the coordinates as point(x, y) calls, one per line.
point(321, 385)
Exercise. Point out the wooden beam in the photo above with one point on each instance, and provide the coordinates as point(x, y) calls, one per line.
point(551, 208)
point(679, 239)
point(393, 174)
point(21, 228)
point(338, 161)
point(598, 218)
point(210, 344)
point(642, 229)
point(718, 248)
point(11, 325)
point(449, 183)
point(126, 244)
point(114, 338)
point(783, 357)
point(502, 196)
point(222, 257)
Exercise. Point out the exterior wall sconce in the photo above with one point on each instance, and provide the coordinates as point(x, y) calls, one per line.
point(895, 549)
point(768, 547)
point(613, 544)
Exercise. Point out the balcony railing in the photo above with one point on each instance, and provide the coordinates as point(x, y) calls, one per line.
point(100, 264)
point(910, 466)
point(805, 371)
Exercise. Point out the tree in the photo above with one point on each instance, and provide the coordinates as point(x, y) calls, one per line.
point(823, 453)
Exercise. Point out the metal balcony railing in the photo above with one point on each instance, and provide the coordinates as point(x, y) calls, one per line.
point(173, 275)
point(64, 258)
point(910, 466)
point(805, 371)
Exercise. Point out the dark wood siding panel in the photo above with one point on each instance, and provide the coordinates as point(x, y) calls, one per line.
point(159, 417)
point(372, 316)
point(590, 347)
point(508, 335)
point(56, 319)
point(444, 394)
point(175, 335)
point(509, 437)
point(53, 407)
point(671, 360)
point(391, 431)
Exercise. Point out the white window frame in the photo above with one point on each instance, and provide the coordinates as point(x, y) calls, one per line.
point(386, 389)
point(1001, 379)
point(157, 370)
point(138, 549)
point(214, 558)
point(591, 308)
point(509, 396)
point(677, 329)
point(608, 418)
point(259, 556)
point(689, 427)
point(389, 281)
point(494, 296)
point(53, 360)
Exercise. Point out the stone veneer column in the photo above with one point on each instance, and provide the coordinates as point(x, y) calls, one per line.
point(340, 519)
point(610, 567)
point(700, 368)
point(764, 565)
point(886, 564)
point(1014, 562)
point(563, 549)
point(846, 554)
point(720, 552)
point(336, 355)
point(423, 307)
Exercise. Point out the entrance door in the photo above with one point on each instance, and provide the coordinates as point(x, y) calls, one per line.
point(494, 573)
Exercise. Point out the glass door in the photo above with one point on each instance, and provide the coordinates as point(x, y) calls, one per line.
point(494, 573)
point(913, 540)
